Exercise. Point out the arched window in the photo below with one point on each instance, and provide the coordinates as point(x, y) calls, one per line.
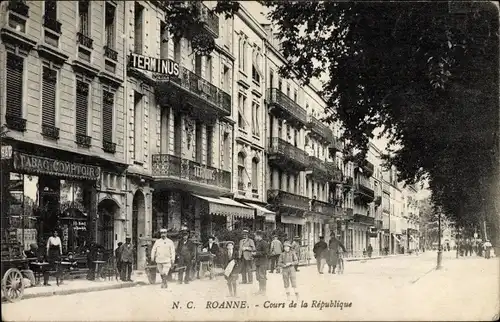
point(255, 175)
point(241, 171)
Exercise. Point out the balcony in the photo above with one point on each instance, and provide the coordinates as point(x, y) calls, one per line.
point(364, 192)
point(83, 140)
point(110, 53)
point(319, 130)
point(109, 147)
point(285, 107)
point(85, 40)
point(325, 208)
point(166, 166)
point(50, 131)
point(20, 7)
point(334, 173)
point(15, 123)
point(286, 155)
point(368, 168)
point(280, 198)
point(52, 24)
point(362, 219)
point(317, 168)
point(209, 19)
point(192, 89)
point(335, 145)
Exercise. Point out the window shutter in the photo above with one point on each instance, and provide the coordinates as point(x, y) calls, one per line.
point(49, 97)
point(107, 116)
point(14, 85)
point(82, 100)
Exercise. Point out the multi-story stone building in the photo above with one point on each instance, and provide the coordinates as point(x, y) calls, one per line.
point(62, 102)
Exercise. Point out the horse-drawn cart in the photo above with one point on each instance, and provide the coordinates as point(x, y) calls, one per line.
point(13, 262)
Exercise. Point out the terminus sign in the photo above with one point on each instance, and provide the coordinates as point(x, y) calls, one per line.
point(159, 66)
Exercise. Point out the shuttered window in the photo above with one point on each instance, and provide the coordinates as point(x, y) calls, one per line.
point(49, 96)
point(14, 86)
point(107, 116)
point(82, 102)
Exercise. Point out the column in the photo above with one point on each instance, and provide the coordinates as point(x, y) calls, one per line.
point(284, 181)
point(292, 184)
point(275, 174)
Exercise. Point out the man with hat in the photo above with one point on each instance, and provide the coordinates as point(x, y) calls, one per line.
point(333, 252)
point(127, 257)
point(296, 249)
point(246, 248)
point(163, 253)
point(320, 252)
point(260, 254)
point(186, 251)
point(276, 250)
point(231, 263)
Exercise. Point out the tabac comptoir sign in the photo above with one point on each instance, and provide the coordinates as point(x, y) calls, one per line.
point(159, 67)
point(35, 164)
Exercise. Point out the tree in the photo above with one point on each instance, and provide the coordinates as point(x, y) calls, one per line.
point(426, 73)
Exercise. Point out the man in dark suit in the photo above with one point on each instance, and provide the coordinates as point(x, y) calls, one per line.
point(245, 249)
point(127, 257)
point(260, 255)
point(186, 251)
point(227, 255)
point(213, 249)
point(320, 253)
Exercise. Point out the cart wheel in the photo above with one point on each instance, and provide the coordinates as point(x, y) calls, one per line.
point(12, 285)
point(151, 273)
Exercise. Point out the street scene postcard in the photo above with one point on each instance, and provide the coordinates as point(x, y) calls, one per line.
point(249, 160)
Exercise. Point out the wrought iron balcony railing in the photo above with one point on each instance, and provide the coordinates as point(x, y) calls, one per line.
point(334, 173)
point(318, 167)
point(319, 128)
point(324, 208)
point(16, 123)
point(110, 53)
point(191, 87)
point(287, 199)
point(50, 131)
point(83, 140)
point(367, 220)
point(336, 144)
point(20, 7)
point(283, 152)
point(210, 19)
point(364, 193)
point(278, 99)
point(108, 146)
point(166, 165)
point(85, 40)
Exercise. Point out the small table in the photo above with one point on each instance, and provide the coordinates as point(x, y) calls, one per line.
point(98, 275)
point(41, 268)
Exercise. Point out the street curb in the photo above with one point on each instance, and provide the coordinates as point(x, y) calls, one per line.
point(85, 290)
point(362, 259)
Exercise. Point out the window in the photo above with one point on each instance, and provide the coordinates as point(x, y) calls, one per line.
point(242, 101)
point(50, 12)
point(163, 40)
point(226, 79)
point(271, 78)
point(199, 142)
point(280, 84)
point(255, 175)
point(137, 126)
point(107, 116)
point(197, 65)
point(288, 90)
point(295, 96)
point(49, 84)
point(242, 63)
point(177, 51)
point(210, 145)
point(83, 12)
point(226, 147)
point(110, 25)
point(241, 171)
point(177, 134)
point(138, 21)
point(82, 107)
point(255, 67)
point(208, 68)
point(14, 87)
point(255, 119)
point(296, 138)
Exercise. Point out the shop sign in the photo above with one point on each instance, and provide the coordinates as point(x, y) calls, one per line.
point(79, 225)
point(6, 153)
point(161, 67)
point(31, 163)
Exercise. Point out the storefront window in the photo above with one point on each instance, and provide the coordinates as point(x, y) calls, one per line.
point(74, 219)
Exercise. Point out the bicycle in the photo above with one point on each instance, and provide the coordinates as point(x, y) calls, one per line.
point(340, 264)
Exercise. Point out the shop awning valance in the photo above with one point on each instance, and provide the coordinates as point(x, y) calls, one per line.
point(227, 207)
point(263, 212)
point(292, 220)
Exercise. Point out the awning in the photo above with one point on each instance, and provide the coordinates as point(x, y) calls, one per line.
point(269, 215)
point(396, 237)
point(227, 207)
point(292, 220)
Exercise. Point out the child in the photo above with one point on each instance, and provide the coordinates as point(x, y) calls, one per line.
point(230, 260)
point(287, 261)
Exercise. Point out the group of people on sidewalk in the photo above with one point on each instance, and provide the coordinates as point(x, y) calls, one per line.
point(328, 253)
point(468, 246)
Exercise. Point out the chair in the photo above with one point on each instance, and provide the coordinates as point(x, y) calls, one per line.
point(109, 269)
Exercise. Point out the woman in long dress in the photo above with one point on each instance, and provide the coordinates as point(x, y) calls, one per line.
point(54, 251)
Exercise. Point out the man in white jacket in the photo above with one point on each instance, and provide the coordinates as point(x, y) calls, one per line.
point(163, 253)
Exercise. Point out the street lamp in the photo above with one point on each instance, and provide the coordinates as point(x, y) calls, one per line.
point(440, 251)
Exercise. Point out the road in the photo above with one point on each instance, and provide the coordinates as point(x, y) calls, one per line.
point(399, 288)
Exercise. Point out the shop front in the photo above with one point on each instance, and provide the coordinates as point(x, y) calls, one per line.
point(42, 195)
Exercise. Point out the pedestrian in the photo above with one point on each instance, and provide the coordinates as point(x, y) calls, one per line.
point(296, 249)
point(186, 251)
point(320, 251)
point(163, 254)
point(333, 252)
point(245, 249)
point(487, 249)
point(370, 250)
point(213, 249)
point(261, 263)
point(118, 260)
point(232, 266)
point(287, 260)
point(127, 258)
point(275, 251)
point(54, 251)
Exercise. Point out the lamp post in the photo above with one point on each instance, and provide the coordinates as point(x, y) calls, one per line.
point(440, 251)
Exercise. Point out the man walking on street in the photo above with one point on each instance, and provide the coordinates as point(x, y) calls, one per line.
point(296, 249)
point(163, 253)
point(127, 257)
point(186, 252)
point(260, 254)
point(246, 248)
point(333, 252)
point(118, 259)
point(320, 252)
point(276, 250)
